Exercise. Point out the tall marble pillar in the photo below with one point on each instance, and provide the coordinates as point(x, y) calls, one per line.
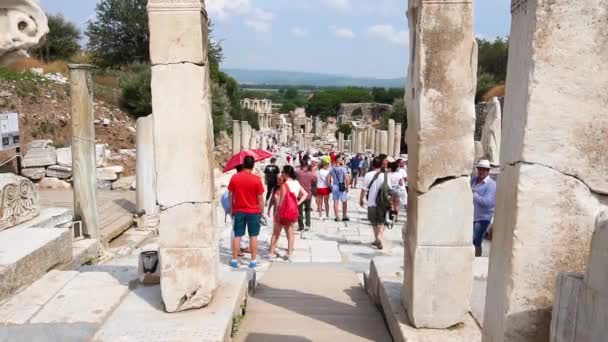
point(391, 138)
point(245, 135)
point(397, 142)
point(383, 142)
point(377, 143)
point(553, 183)
point(370, 138)
point(236, 136)
point(441, 118)
point(189, 255)
point(146, 170)
point(253, 142)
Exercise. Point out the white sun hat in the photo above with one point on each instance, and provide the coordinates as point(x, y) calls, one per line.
point(484, 164)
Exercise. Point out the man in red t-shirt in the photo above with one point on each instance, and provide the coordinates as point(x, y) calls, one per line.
point(247, 206)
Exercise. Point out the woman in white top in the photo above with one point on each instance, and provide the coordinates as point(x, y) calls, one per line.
point(288, 183)
point(323, 190)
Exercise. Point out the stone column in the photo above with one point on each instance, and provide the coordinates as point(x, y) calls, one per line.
point(377, 143)
point(253, 142)
point(146, 170)
point(370, 138)
point(83, 150)
point(189, 256)
point(391, 138)
point(383, 142)
point(245, 135)
point(441, 116)
point(236, 136)
point(341, 142)
point(353, 138)
point(553, 181)
point(397, 142)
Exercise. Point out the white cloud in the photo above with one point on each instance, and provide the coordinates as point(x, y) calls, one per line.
point(342, 5)
point(388, 33)
point(298, 32)
point(221, 9)
point(260, 20)
point(342, 32)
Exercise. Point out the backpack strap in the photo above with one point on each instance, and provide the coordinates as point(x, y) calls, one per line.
point(373, 180)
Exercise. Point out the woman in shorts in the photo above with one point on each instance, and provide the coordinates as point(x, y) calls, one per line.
point(323, 190)
point(397, 184)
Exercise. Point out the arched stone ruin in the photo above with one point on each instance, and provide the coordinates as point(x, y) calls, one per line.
point(369, 111)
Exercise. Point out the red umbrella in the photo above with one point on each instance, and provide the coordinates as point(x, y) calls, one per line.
point(239, 158)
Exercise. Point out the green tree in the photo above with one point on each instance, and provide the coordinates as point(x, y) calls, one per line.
point(327, 102)
point(250, 116)
point(387, 96)
point(220, 107)
point(119, 34)
point(62, 41)
point(288, 107)
point(492, 64)
point(346, 129)
point(136, 93)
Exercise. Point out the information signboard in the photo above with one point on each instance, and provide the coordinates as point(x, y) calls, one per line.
point(9, 131)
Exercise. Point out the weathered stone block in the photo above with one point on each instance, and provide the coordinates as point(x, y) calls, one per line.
point(64, 156)
point(34, 173)
point(437, 285)
point(186, 41)
point(124, 183)
point(37, 157)
point(174, 140)
point(28, 253)
point(580, 313)
point(106, 174)
point(440, 100)
point(58, 171)
point(34, 144)
point(597, 270)
point(188, 225)
point(189, 277)
point(543, 231)
point(53, 183)
point(443, 216)
point(20, 201)
point(548, 83)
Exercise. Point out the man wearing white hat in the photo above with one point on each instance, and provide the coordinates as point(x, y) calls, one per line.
point(484, 201)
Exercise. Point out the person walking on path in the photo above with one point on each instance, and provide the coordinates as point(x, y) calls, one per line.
point(289, 185)
point(355, 168)
point(271, 173)
point(339, 181)
point(323, 190)
point(273, 205)
point(484, 201)
point(397, 184)
point(247, 206)
point(372, 183)
point(307, 179)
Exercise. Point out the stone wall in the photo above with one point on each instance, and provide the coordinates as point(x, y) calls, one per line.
point(370, 111)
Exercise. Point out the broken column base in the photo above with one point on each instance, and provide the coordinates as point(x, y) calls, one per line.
point(384, 283)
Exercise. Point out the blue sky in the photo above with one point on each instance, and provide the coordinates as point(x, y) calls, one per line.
point(349, 37)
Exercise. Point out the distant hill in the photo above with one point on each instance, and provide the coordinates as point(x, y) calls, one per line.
point(292, 78)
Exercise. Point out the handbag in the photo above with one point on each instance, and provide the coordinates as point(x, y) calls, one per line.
point(341, 185)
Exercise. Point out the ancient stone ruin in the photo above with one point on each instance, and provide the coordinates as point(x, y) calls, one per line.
point(180, 83)
point(554, 167)
point(24, 25)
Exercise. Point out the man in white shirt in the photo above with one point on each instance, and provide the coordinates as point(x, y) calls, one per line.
point(371, 185)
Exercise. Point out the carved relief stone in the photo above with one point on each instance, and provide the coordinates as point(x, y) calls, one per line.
point(19, 200)
point(23, 26)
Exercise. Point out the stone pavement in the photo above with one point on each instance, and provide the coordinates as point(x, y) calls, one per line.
point(115, 208)
point(311, 302)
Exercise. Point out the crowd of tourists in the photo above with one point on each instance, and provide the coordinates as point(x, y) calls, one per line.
point(304, 185)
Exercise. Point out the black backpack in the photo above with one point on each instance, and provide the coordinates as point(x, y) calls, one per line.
point(383, 198)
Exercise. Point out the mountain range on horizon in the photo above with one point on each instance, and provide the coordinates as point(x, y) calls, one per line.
point(296, 78)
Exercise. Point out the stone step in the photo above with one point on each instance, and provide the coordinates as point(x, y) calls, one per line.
point(28, 253)
point(141, 316)
point(73, 309)
point(384, 282)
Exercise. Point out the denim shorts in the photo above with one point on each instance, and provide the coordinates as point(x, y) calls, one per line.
point(480, 228)
point(337, 195)
point(249, 222)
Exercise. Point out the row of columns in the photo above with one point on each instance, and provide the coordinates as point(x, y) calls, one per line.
point(378, 141)
point(265, 121)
